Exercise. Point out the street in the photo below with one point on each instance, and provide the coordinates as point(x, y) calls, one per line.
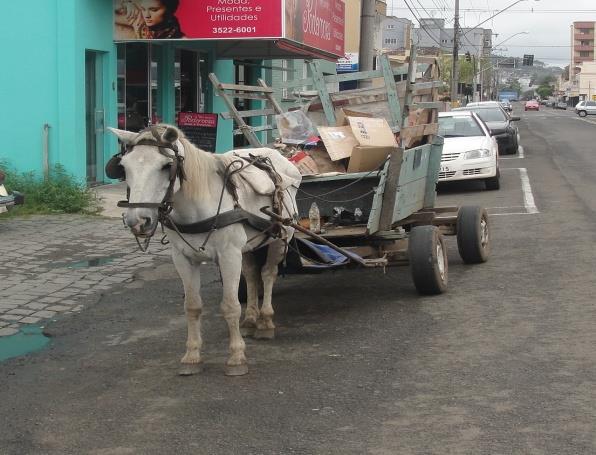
point(503, 363)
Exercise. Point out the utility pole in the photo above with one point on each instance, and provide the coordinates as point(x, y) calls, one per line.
point(455, 67)
point(367, 35)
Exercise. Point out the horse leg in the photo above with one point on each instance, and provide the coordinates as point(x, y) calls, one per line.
point(265, 326)
point(193, 307)
point(230, 266)
point(250, 270)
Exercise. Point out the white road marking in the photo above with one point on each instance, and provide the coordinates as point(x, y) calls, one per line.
point(585, 120)
point(529, 203)
point(520, 155)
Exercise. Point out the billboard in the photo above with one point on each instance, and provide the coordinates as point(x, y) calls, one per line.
point(316, 23)
point(309, 24)
point(197, 19)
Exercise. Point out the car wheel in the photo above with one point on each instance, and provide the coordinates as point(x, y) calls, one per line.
point(428, 260)
point(493, 183)
point(582, 113)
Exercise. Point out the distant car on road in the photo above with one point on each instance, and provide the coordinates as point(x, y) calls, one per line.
point(469, 151)
point(507, 105)
point(584, 108)
point(532, 105)
point(561, 105)
point(499, 122)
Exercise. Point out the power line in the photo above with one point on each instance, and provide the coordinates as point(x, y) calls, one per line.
point(521, 11)
point(421, 24)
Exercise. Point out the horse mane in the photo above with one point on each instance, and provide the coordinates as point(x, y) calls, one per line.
point(199, 165)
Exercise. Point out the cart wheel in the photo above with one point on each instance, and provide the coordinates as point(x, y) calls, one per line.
point(473, 234)
point(428, 260)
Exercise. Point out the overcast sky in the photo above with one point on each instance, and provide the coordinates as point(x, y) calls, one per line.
point(547, 22)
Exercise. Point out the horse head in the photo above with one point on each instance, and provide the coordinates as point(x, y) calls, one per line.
point(151, 164)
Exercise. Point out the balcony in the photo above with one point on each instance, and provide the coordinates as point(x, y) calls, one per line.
point(584, 36)
point(578, 59)
point(584, 48)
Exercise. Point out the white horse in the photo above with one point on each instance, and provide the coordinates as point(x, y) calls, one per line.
point(148, 173)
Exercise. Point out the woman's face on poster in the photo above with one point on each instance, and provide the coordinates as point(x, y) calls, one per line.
point(154, 12)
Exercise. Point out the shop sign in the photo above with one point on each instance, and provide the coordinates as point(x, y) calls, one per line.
point(197, 19)
point(316, 23)
point(348, 64)
point(200, 129)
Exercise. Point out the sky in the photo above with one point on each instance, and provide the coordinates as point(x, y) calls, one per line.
point(547, 22)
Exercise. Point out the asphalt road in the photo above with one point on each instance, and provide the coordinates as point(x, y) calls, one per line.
point(504, 363)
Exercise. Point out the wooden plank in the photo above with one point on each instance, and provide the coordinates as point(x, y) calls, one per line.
point(276, 106)
point(246, 88)
point(255, 129)
point(251, 137)
point(390, 190)
point(432, 176)
point(247, 96)
point(308, 82)
point(427, 105)
point(391, 89)
point(353, 76)
point(321, 87)
point(244, 114)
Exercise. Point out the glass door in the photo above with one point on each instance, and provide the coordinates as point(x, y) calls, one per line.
point(94, 115)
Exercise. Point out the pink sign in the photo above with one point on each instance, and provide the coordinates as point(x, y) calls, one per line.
point(197, 119)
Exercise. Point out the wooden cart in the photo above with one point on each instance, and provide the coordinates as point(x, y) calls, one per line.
point(394, 220)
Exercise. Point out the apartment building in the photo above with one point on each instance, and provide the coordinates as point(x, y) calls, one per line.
point(396, 33)
point(432, 33)
point(582, 77)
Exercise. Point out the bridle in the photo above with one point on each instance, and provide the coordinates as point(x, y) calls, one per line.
point(115, 170)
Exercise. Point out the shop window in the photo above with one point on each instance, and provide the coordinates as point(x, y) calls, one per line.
point(190, 81)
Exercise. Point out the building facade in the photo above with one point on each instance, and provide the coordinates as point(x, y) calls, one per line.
point(581, 84)
point(78, 67)
point(396, 33)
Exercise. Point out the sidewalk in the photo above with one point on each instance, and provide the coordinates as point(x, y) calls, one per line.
point(109, 195)
point(55, 265)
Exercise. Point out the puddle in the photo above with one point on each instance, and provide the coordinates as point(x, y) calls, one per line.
point(94, 262)
point(29, 339)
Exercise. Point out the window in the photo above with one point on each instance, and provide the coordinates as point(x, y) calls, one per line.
point(390, 27)
point(584, 53)
point(459, 127)
point(390, 40)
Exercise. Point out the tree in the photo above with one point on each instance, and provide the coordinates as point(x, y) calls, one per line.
point(544, 91)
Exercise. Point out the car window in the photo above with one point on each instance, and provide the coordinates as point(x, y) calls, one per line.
point(590, 104)
point(459, 127)
point(490, 114)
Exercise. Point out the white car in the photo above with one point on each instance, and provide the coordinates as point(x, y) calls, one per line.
point(469, 151)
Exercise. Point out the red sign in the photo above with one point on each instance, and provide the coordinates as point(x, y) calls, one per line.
point(197, 119)
point(316, 23)
point(198, 19)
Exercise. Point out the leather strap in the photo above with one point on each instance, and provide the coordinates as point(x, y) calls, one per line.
point(222, 220)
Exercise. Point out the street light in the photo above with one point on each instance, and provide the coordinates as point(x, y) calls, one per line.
point(512, 36)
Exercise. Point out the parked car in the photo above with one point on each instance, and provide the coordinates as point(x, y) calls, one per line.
point(500, 124)
point(506, 104)
point(7, 201)
point(469, 151)
point(532, 105)
point(561, 105)
point(584, 108)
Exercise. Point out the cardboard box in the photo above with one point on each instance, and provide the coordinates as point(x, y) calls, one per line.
point(367, 158)
point(323, 161)
point(374, 132)
point(339, 141)
point(343, 114)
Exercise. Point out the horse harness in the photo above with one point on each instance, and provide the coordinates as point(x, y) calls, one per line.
point(115, 170)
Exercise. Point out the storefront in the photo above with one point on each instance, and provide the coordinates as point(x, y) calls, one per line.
point(83, 65)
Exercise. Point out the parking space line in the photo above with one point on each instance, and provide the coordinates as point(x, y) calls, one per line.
point(529, 203)
point(520, 155)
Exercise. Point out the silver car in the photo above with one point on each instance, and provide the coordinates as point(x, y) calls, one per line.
point(584, 108)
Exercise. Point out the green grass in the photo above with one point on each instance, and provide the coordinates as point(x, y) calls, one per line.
point(60, 193)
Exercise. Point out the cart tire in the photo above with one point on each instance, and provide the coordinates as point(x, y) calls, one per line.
point(428, 260)
point(473, 234)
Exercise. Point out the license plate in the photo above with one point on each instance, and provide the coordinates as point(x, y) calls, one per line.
point(445, 169)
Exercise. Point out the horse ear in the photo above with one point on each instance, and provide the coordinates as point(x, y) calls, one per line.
point(170, 135)
point(125, 137)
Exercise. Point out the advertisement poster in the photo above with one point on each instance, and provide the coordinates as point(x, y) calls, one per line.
point(316, 23)
point(197, 19)
point(348, 64)
point(200, 129)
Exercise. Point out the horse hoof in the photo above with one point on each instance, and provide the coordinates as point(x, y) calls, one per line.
point(236, 370)
point(264, 334)
point(190, 369)
point(247, 331)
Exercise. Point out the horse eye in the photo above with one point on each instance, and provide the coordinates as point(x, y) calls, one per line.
point(166, 167)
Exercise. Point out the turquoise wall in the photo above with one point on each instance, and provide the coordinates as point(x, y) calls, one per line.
point(43, 81)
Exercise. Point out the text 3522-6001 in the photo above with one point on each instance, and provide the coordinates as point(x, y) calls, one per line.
point(227, 30)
